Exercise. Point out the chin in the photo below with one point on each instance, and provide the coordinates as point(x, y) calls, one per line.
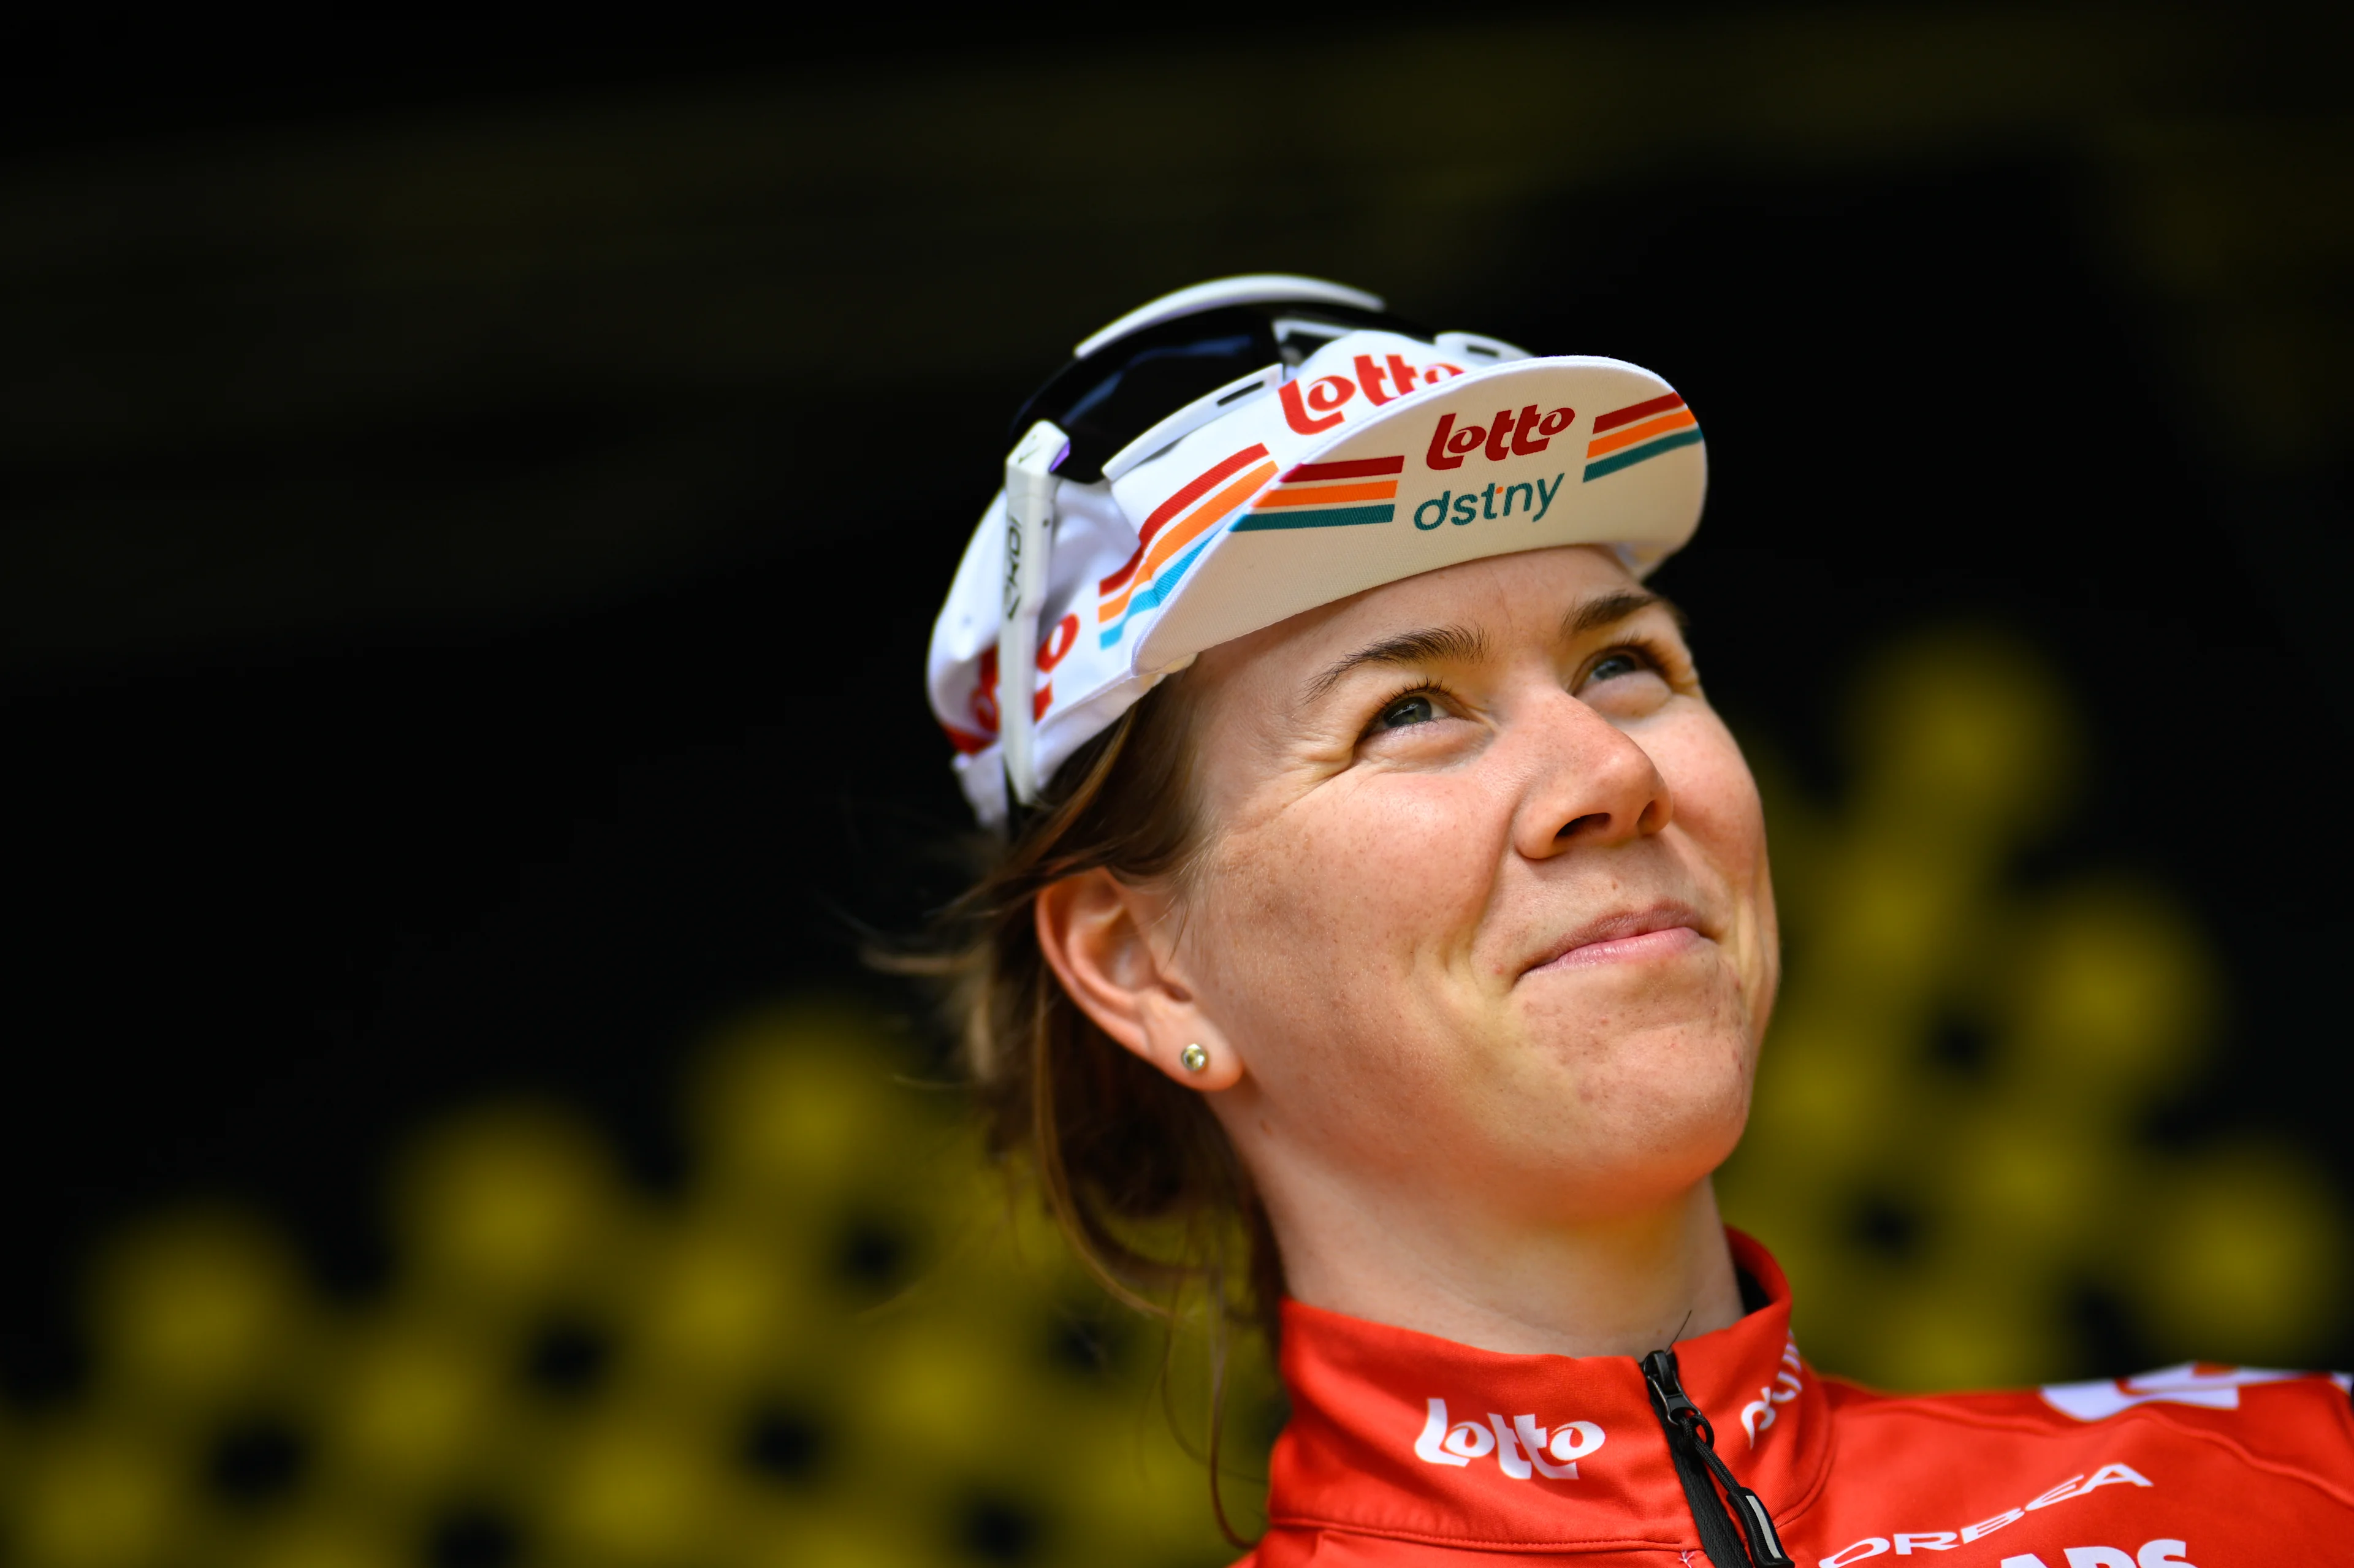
point(1690, 1017)
point(1652, 1109)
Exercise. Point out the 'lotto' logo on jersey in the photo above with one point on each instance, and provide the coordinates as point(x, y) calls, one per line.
point(1522, 1448)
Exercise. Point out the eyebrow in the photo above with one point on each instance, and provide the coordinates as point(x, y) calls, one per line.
point(1610, 609)
point(1431, 645)
point(1463, 646)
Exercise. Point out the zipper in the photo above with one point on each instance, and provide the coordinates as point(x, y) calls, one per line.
point(1692, 1443)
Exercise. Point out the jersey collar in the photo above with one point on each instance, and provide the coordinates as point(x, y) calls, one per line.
point(1403, 1436)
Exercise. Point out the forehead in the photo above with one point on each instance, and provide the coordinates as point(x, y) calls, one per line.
point(1502, 597)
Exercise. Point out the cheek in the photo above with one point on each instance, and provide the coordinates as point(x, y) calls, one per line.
point(1718, 809)
point(1716, 800)
point(1347, 892)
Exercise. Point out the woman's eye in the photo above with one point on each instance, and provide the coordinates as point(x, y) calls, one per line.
point(1613, 665)
point(1410, 710)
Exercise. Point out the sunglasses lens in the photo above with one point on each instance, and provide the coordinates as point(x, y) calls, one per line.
point(1125, 399)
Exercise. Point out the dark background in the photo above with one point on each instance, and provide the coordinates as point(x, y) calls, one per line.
point(475, 502)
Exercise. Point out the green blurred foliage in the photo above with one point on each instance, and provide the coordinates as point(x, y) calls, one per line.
point(1949, 1148)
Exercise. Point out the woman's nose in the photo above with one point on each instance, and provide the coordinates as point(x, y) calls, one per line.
point(1588, 783)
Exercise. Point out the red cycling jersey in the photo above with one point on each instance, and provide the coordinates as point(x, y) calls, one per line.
point(1406, 1450)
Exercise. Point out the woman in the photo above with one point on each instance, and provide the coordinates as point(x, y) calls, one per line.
point(1378, 881)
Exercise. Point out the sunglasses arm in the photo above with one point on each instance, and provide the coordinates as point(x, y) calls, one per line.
point(1029, 536)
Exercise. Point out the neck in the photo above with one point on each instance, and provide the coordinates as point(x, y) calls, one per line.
point(1619, 1286)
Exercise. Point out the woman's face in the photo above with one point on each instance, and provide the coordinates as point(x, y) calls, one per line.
point(1483, 908)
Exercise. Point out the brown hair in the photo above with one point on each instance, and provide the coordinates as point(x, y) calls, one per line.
point(1135, 1168)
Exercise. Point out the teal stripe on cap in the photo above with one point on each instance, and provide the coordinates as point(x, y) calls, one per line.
point(1634, 455)
point(1150, 597)
point(1305, 517)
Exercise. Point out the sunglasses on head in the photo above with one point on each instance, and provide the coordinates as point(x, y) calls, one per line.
point(1109, 398)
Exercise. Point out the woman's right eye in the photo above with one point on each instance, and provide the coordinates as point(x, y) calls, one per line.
point(1414, 709)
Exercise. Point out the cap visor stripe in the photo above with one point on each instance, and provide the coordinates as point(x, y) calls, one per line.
point(1326, 495)
point(1152, 597)
point(1197, 487)
point(1176, 538)
point(1194, 489)
point(1629, 458)
point(1332, 517)
point(1681, 419)
point(1356, 468)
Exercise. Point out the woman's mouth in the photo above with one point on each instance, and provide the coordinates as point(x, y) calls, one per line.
point(1662, 931)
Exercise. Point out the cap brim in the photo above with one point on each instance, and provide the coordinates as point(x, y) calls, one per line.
point(1592, 451)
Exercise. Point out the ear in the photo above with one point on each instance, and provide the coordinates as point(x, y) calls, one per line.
point(1100, 936)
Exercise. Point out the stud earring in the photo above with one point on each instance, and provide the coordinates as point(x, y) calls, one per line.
point(1194, 1058)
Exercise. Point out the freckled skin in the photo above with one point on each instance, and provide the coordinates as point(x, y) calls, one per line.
point(1450, 1132)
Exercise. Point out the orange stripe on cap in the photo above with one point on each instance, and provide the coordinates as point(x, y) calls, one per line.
point(1325, 495)
point(1194, 490)
point(1636, 434)
point(1175, 539)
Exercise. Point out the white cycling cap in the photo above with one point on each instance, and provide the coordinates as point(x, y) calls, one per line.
point(1361, 454)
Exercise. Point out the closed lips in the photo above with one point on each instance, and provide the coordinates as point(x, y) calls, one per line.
point(1622, 928)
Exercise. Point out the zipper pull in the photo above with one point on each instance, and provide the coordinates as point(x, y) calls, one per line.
point(1667, 1388)
point(1692, 1443)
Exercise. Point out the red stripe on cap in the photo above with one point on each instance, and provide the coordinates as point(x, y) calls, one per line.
point(1198, 488)
point(1194, 490)
point(1356, 468)
point(1628, 415)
